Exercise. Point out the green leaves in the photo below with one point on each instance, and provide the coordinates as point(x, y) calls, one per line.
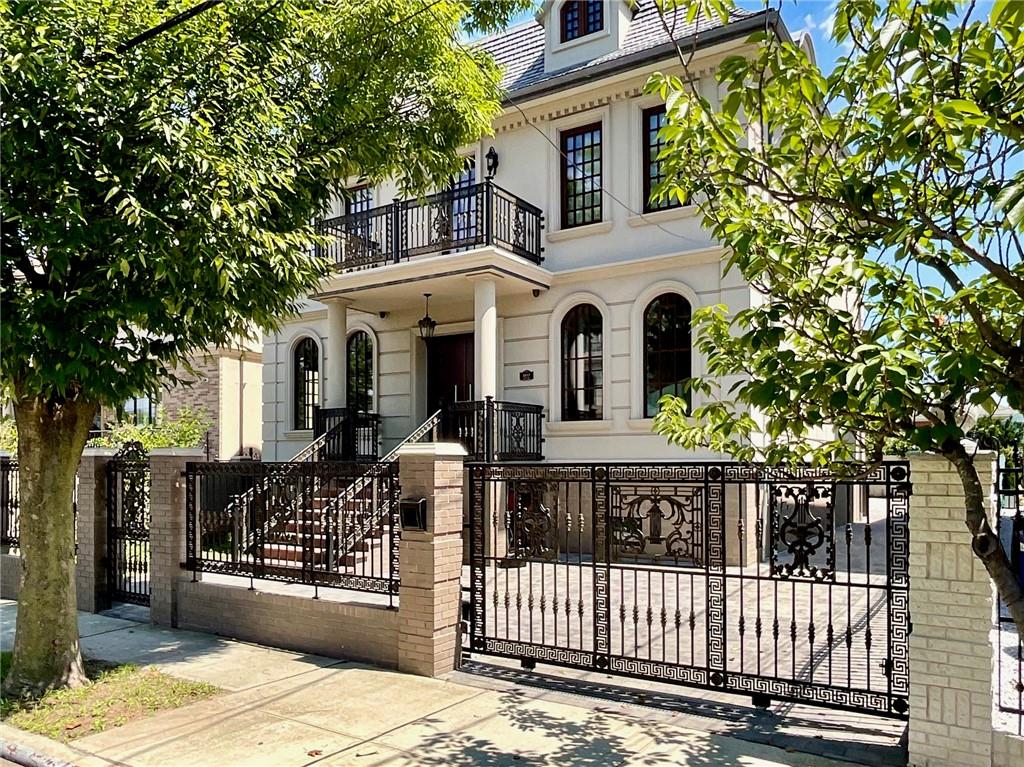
point(879, 226)
point(159, 201)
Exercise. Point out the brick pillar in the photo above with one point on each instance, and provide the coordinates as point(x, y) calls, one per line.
point(167, 531)
point(951, 606)
point(91, 523)
point(431, 560)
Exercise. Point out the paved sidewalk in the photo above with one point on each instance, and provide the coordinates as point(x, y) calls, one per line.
point(281, 709)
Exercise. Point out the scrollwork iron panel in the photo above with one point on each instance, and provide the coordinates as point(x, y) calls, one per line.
point(128, 523)
point(778, 582)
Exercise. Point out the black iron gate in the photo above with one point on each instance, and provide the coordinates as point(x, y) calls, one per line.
point(788, 585)
point(128, 518)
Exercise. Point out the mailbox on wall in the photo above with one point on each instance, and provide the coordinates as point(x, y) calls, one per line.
point(413, 513)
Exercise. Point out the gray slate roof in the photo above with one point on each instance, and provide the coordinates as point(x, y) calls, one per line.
point(519, 50)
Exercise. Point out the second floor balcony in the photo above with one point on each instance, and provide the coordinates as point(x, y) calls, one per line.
point(455, 220)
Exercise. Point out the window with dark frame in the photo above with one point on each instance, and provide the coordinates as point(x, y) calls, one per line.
point(359, 385)
point(581, 176)
point(667, 346)
point(306, 363)
point(654, 174)
point(580, 18)
point(141, 410)
point(582, 364)
point(358, 200)
point(464, 204)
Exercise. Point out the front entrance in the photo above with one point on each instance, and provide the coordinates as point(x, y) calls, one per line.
point(450, 372)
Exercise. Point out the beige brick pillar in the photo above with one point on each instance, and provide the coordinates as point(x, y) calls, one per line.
point(431, 560)
point(167, 531)
point(91, 522)
point(951, 606)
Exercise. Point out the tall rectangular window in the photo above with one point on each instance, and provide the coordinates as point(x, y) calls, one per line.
point(581, 175)
point(654, 174)
point(358, 200)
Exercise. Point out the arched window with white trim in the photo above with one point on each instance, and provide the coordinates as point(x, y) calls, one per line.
point(360, 372)
point(667, 349)
point(306, 390)
point(582, 364)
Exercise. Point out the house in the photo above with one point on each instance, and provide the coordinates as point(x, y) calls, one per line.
point(223, 385)
point(543, 277)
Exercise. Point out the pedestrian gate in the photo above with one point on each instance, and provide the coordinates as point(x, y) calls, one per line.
point(128, 518)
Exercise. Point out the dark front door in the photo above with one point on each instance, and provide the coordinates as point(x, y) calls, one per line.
point(449, 371)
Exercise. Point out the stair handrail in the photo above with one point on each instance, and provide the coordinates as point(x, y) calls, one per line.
point(360, 484)
point(240, 502)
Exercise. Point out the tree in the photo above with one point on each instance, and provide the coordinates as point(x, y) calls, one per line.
point(880, 221)
point(163, 161)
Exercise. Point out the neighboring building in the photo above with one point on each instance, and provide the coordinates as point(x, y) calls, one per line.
point(225, 385)
point(544, 289)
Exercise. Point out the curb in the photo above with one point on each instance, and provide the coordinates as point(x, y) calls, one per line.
point(26, 757)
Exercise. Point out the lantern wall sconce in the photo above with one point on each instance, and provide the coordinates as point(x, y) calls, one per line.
point(492, 162)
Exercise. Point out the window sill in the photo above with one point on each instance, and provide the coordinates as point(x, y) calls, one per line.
point(660, 216)
point(641, 424)
point(564, 45)
point(572, 233)
point(306, 434)
point(573, 428)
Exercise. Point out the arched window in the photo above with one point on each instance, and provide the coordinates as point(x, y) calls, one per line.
point(360, 372)
point(580, 18)
point(306, 365)
point(582, 364)
point(666, 349)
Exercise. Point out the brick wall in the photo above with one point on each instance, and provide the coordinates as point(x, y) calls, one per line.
point(204, 394)
point(430, 593)
point(1007, 750)
point(10, 575)
point(322, 626)
point(951, 607)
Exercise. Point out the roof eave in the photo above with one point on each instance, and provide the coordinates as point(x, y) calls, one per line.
point(761, 20)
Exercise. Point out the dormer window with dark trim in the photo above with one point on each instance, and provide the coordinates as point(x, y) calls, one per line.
point(581, 18)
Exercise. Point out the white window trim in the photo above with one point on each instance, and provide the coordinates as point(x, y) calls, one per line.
point(297, 335)
point(555, 356)
point(637, 351)
point(602, 115)
point(353, 328)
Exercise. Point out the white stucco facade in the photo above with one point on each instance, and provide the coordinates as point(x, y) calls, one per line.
point(618, 265)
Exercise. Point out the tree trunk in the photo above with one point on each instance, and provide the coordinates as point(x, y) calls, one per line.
point(51, 438)
point(984, 540)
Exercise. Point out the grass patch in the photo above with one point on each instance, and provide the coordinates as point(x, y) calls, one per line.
point(115, 695)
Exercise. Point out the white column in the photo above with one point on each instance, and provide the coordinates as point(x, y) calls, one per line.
point(337, 353)
point(485, 338)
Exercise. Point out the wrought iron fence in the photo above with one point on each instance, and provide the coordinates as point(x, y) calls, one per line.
point(9, 506)
point(322, 523)
point(128, 523)
point(1010, 529)
point(492, 430)
point(452, 220)
point(349, 435)
point(789, 585)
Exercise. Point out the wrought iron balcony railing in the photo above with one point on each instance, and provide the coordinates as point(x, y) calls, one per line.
point(447, 222)
point(495, 431)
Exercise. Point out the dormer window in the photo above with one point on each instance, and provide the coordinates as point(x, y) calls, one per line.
point(581, 18)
